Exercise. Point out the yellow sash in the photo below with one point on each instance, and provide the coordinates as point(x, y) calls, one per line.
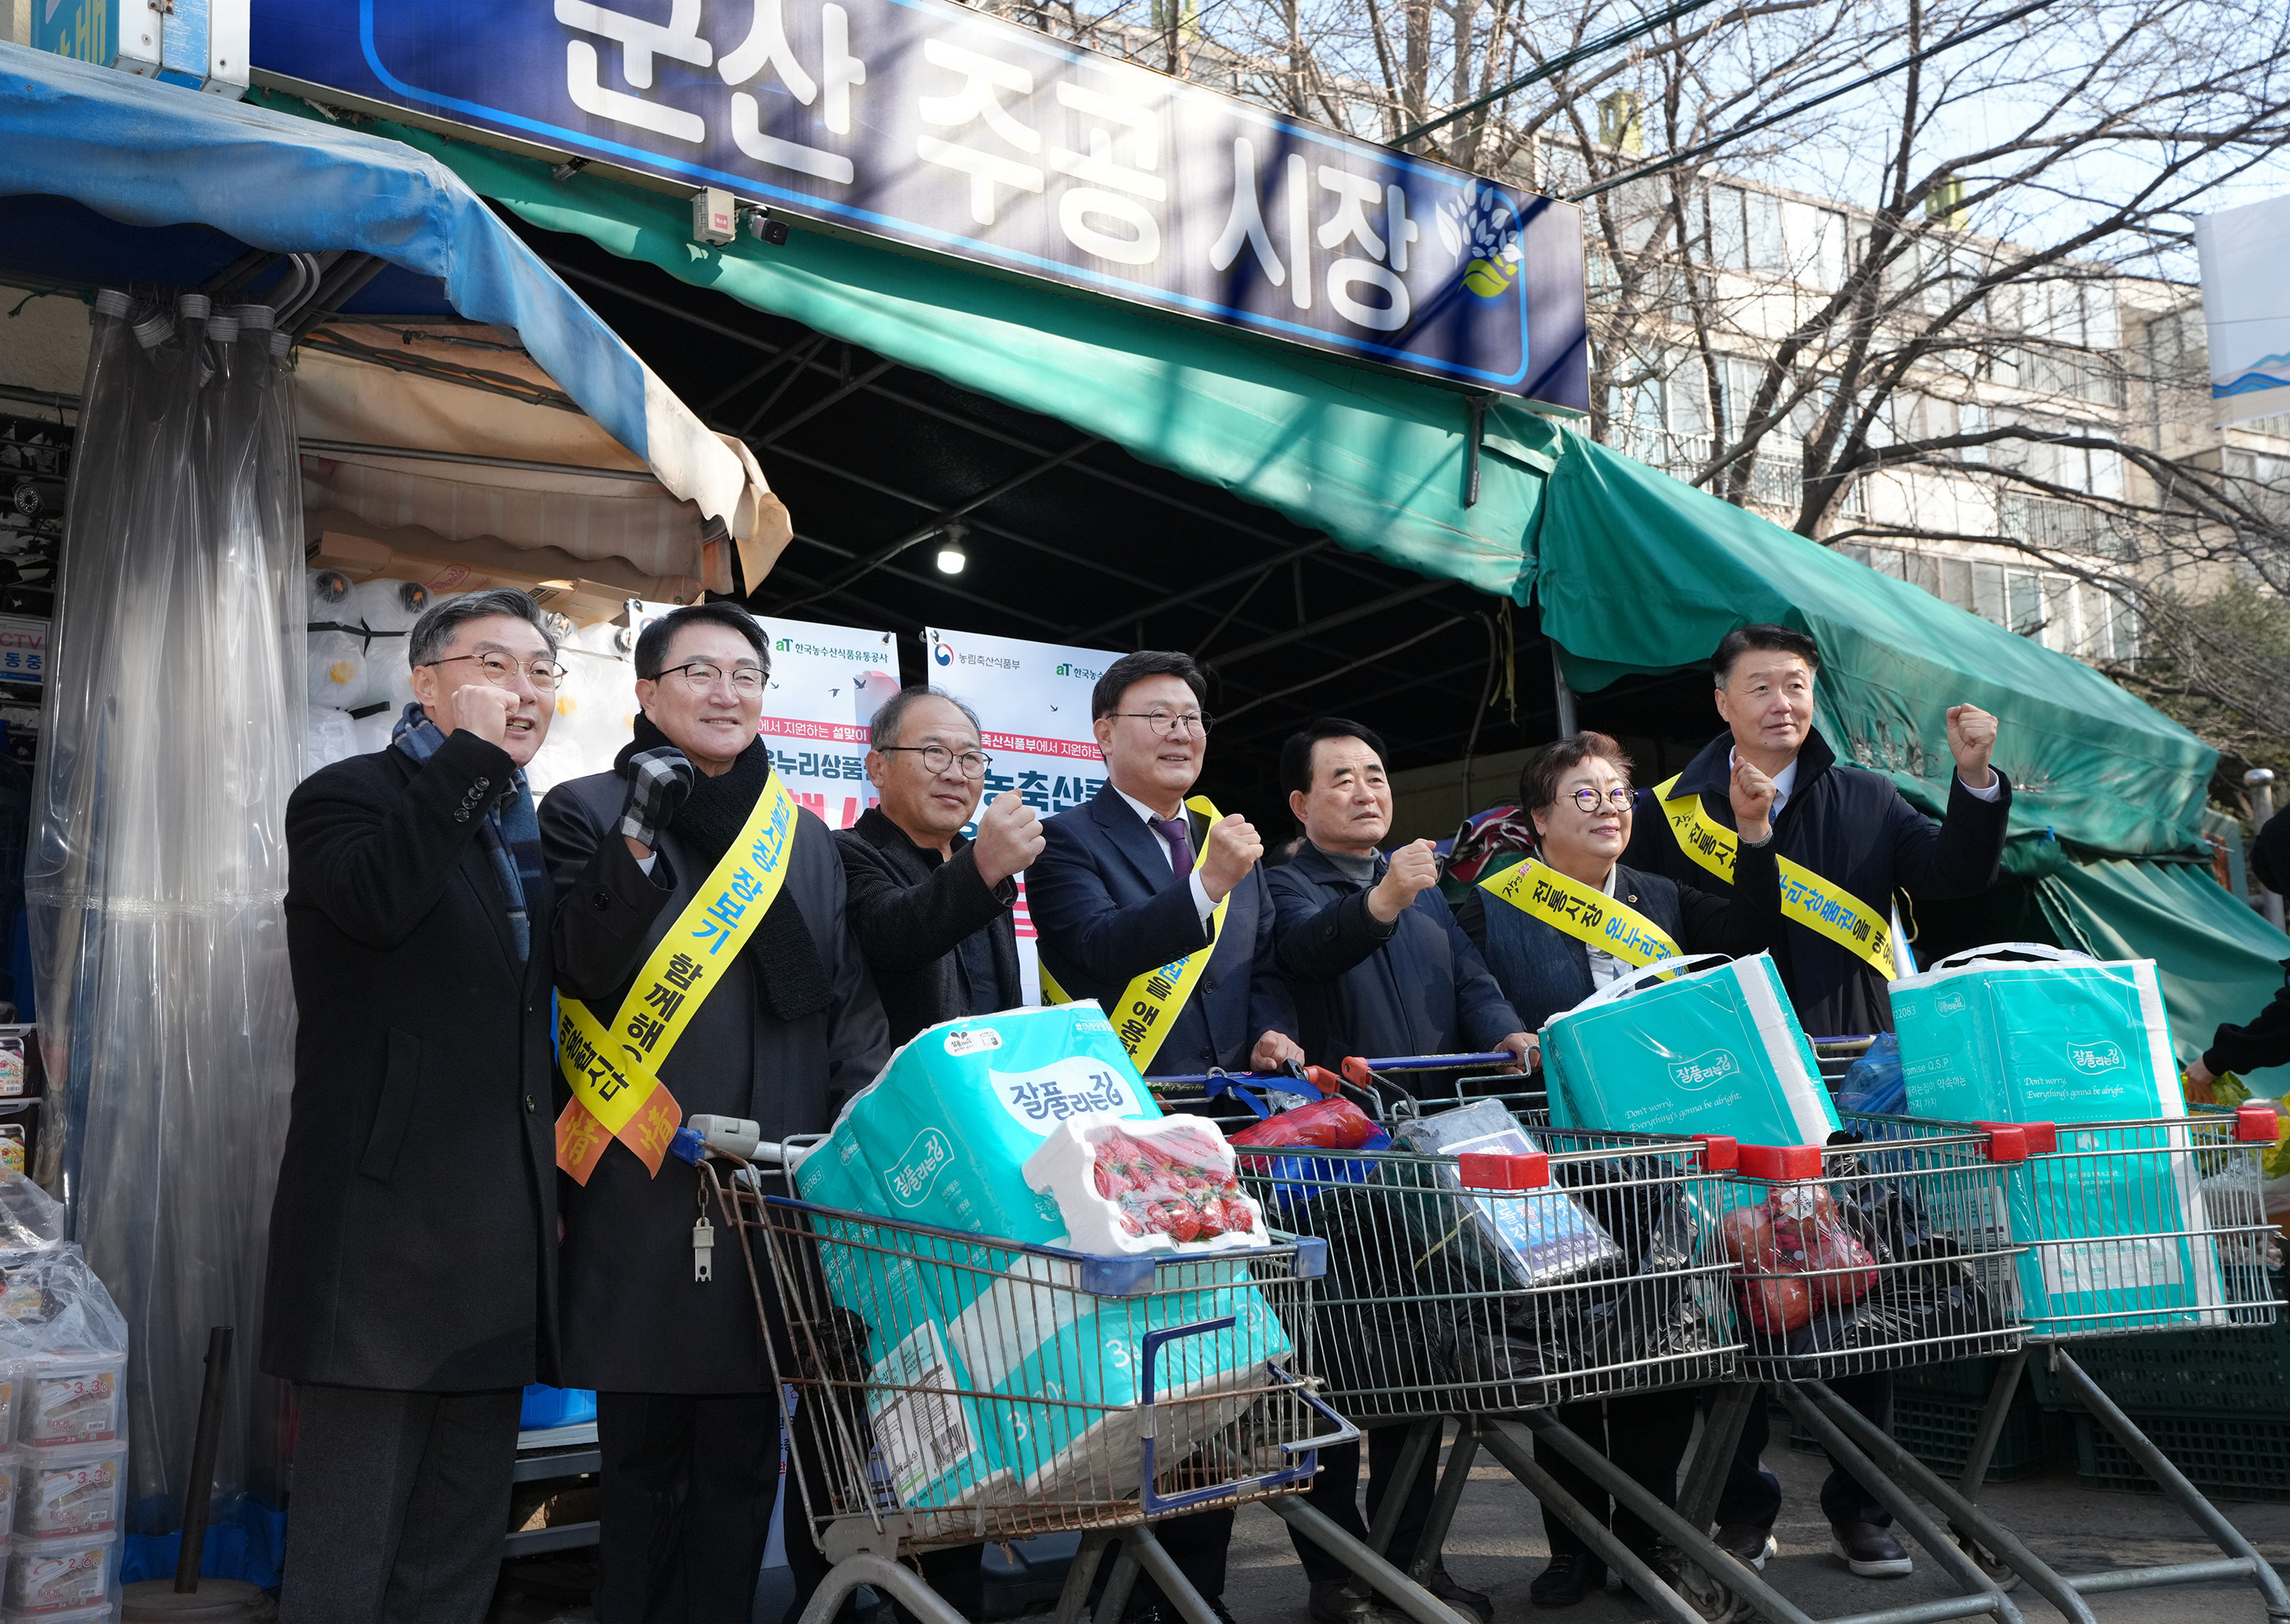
point(1605, 922)
point(617, 1093)
point(1806, 898)
point(1148, 1006)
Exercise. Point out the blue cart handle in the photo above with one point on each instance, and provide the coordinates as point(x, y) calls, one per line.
point(1301, 1471)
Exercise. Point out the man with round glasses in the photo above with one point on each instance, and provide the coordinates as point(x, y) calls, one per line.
point(413, 1271)
point(931, 907)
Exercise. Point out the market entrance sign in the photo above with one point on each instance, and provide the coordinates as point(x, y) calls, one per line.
point(930, 124)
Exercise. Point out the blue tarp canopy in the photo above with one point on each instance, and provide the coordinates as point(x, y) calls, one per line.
point(170, 161)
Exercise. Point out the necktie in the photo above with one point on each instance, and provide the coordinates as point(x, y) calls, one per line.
point(1177, 835)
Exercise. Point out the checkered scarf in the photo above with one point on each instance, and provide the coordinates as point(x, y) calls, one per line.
point(510, 831)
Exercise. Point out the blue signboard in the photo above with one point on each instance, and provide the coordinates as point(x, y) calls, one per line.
point(928, 123)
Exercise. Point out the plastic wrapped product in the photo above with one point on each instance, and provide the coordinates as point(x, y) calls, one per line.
point(70, 1491)
point(1714, 1051)
point(1142, 1187)
point(1797, 1256)
point(11, 1067)
point(102, 1613)
point(11, 1477)
point(335, 670)
point(54, 1576)
point(1540, 1238)
point(332, 737)
point(389, 607)
point(72, 1400)
point(1332, 1125)
point(30, 1221)
point(371, 732)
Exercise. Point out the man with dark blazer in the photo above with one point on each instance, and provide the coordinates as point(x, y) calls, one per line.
point(930, 907)
point(1854, 829)
point(1117, 893)
point(688, 1414)
point(931, 911)
point(411, 1285)
point(1379, 967)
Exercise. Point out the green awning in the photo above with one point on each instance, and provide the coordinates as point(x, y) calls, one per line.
point(1372, 459)
point(2217, 959)
point(1638, 571)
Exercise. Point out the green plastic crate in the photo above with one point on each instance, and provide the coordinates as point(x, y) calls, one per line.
point(1965, 1380)
point(2227, 1459)
point(2192, 1373)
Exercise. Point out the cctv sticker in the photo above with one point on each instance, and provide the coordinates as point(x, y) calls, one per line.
point(971, 1040)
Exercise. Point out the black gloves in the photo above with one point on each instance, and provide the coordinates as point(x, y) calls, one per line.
point(659, 780)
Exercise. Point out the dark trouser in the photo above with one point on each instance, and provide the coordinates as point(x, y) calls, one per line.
point(1645, 1436)
point(688, 1486)
point(1335, 1494)
point(400, 1502)
point(1753, 1495)
point(1196, 1543)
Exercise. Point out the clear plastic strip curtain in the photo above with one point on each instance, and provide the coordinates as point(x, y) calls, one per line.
point(158, 861)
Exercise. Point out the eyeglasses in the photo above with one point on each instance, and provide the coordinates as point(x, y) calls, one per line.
point(699, 676)
point(937, 758)
point(1172, 723)
point(1619, 797)
point(503, 672)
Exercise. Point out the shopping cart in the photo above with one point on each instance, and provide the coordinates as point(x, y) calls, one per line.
point(2129, 1226)
point(1402, 1085)
point(1484, 1289)
point(946, 1388)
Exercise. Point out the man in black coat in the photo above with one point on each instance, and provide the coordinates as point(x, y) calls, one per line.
point(412, 1284)
point(1130, 881)
point(1379, 967)
point(1850, 828)
point(687, 1413)
point(1118, 892)
point(932, 908)
point(931, 911)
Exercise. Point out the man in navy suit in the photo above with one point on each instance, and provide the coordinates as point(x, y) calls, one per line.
point(1133, 881)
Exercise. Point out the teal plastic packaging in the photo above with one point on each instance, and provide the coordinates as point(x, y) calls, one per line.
point(940, 1139)
point(2114, 1221)
point(1715, 1051)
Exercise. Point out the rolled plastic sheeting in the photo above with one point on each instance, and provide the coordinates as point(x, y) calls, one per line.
point(157, 862)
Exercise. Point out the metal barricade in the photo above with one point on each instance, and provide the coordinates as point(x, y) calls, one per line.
point(1485, 1290)
point(2129, 1226)
point(946, 1388)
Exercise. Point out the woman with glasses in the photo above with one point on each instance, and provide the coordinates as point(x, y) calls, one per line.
point(1578, 795)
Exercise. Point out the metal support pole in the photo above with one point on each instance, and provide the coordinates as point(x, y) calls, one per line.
point(2006, 1548)
point(199, 1492)
point(1702, 1482)
point(1422, 1444)
point(1444, 1503)
point(1567, 726)
point(1512, 1443)
point(1386, 1580)
point(2208, 1517)
point(2000, 1394)
point(891, 1578)
point(1846, 1455)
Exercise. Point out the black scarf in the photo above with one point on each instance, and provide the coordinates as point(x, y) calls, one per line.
point(790, 981)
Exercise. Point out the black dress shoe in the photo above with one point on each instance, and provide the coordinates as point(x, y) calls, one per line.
point(1747, 1542)
point(1870, 1551)
point(1568, 1580)
point(1442, 1584)
point(1342, 1601)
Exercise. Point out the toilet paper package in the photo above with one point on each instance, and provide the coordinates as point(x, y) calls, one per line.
point(941, 1138)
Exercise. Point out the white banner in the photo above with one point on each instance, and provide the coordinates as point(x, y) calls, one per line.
point(2245, 308)
point(1032, 700)
point(827, 684)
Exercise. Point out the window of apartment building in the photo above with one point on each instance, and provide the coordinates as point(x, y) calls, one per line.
point(2063, 611)
point(1756, 231)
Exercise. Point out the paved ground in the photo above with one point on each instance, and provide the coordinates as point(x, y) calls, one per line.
point(1497, 1547)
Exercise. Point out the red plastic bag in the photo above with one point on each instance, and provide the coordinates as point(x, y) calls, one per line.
point(1795, 1257)
point(1328, 1125)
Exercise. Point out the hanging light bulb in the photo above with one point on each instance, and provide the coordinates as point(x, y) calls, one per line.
point(951, 557)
